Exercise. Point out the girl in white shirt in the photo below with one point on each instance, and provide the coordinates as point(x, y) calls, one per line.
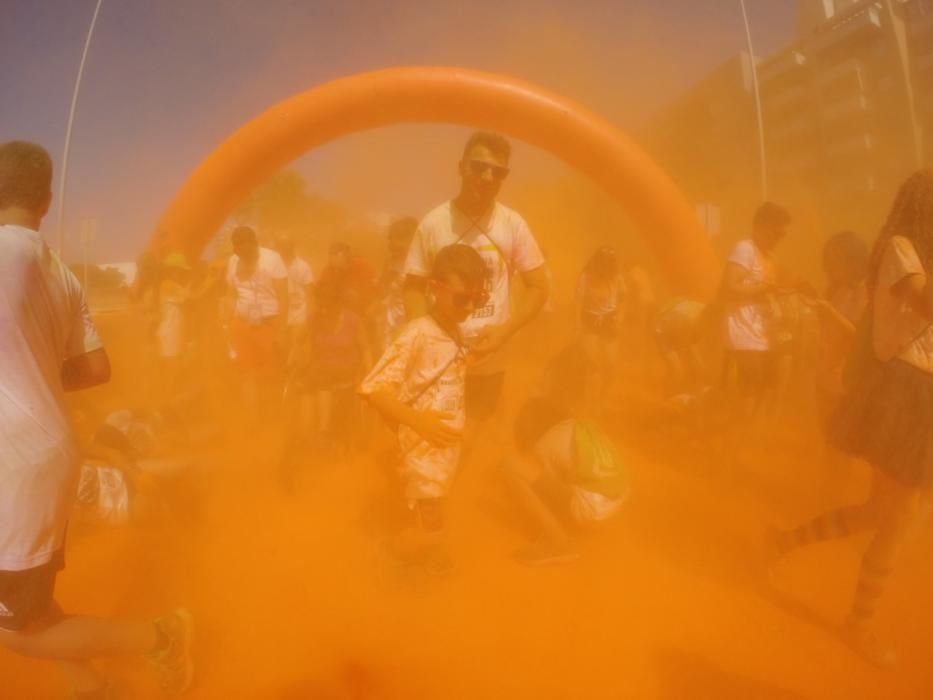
point(886, 418)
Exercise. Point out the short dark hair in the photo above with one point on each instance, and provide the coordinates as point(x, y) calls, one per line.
point(771, 215)
point(25, 175)
point(243, 234)
point(496, 143)
point(460, 260)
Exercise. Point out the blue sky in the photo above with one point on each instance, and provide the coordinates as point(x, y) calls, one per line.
point(166, 81)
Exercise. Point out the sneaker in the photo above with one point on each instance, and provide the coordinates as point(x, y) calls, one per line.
point(173, 663)
point(545, 554)
point(863, 641)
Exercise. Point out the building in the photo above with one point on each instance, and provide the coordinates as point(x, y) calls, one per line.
point(847, 113)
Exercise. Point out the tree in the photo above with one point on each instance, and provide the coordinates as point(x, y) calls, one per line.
point(282, 204)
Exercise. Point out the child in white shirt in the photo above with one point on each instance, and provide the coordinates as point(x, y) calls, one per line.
point(418, 385)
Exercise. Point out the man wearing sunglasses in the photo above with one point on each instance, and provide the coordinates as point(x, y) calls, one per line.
point(504, 241)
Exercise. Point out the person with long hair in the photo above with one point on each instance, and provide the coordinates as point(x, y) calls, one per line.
point(886, 416)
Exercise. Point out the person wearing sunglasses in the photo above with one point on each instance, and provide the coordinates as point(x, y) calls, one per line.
point(418, 385)
point(500, 235)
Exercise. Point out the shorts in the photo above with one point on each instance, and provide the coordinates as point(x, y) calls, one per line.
point(256, 346)
point(573, 504)
point(756, 371)
point(28, 596)
point(427, 471)
point(482, 395)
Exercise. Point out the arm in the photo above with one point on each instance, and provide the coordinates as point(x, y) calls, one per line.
point(86, 370)
point(414, 293)
point(831, 314)
point(916, 291)
point(108, 455)
point(738, 283)
point(428, 424)
point(492, 338)
point(534, 298)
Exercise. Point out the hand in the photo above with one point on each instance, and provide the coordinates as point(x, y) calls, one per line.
point(490, 339)
point(432, 427)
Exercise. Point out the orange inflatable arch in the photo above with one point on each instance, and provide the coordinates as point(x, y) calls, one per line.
point(573, 133)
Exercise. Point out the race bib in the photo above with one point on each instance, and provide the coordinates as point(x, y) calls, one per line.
point(487, 311)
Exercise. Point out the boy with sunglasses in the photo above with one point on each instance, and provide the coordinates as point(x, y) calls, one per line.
point(418, 385)
point(503, 240)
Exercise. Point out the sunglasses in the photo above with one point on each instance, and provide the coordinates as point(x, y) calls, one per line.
point(479, 168)
point(478, 298)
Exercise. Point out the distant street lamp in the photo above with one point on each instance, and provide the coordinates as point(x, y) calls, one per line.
point(761, 127)
point(71, 118)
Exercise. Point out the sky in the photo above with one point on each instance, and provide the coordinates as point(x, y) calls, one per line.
point(166, 82)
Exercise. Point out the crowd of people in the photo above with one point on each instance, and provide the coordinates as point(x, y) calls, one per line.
point(340, 362)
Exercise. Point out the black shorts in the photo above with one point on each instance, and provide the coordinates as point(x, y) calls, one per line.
point(28, 596)
point(755, 371)
point(482, 395)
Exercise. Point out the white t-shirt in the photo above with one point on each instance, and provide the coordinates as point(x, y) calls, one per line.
point(555, 452)
point(425, 368)
point(746, 322)
point(505, 243)
point(255, 295)
point(299, 277)
point(898, 330)
point(44, 320)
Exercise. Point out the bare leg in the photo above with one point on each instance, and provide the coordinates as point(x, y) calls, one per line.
point(79, 639)
point(544, 519)
point(81, 677)
point(896, 512)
